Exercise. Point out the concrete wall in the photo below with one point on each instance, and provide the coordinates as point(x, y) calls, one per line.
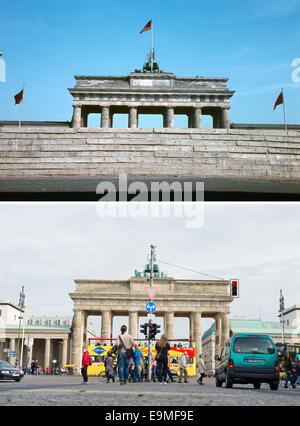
point(64, 152)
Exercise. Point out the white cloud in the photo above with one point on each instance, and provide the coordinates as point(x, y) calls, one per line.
point(277, 8)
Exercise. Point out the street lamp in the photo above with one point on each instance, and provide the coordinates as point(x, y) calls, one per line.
point(281, 310)
point(21, 306)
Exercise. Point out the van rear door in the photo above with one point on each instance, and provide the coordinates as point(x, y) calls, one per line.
point(255, 352)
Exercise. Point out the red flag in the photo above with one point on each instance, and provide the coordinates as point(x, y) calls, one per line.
point(147, 27)
point(19, 97)
point(279, 101)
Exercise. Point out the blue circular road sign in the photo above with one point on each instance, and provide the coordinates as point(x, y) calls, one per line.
point(151, 307)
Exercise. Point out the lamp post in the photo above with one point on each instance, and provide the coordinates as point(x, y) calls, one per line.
point(281, 309)
point(21, 306)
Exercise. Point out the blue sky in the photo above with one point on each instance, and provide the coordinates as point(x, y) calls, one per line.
point(45, 43)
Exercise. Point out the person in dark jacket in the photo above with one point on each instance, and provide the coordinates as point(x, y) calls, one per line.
point(162, 354)
point(288, 367)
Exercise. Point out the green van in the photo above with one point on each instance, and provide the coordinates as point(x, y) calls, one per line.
point(248, 358)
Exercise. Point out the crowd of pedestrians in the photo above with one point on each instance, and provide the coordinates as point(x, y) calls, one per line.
point(132, 366)
point(35, 369)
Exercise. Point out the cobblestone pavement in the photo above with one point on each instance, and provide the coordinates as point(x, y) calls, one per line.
point(59, 390)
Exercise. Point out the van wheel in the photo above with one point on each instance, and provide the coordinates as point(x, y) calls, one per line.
point(274, 386)
point(228, 382)
point(256, 385)
point(218, 383)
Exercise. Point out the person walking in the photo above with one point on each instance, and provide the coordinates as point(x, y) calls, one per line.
point(182, 368)
point(109, 367)
point(84, 366)
point(137, 356)
point(162, 353)
point(297, 373)
point(201, 369)
point(124, 344)
point(288, 367)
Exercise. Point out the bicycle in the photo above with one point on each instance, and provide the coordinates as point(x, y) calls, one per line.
point(103, 378)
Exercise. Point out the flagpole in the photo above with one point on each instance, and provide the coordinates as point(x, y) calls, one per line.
point(151, 54)
point(21, 108)
point(284, 116)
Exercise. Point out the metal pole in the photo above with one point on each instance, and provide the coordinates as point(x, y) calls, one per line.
point(151, 53)
point(21, 308)
point(284, 116)
point(281, 304)
point(150, 322)
point(21, 108)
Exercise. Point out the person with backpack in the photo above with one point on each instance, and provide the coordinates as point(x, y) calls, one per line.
point(125, 353)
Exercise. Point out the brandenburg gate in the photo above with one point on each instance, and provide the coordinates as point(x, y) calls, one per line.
point(193, 299)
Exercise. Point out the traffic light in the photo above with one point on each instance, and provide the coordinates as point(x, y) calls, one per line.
point(143, 329)
point(234, 288)
point(154, 329)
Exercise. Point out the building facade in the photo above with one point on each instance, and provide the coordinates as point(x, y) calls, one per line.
point(42, 338)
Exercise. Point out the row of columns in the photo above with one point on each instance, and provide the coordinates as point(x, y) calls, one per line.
point(80, 323)
point(47, 352)
point(220, 118)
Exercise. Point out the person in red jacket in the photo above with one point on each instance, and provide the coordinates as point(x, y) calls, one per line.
point(85, 363)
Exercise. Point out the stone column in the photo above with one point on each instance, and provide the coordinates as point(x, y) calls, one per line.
point(76, 122)
point(29, 355)
point(12, 347)
point(47, 353)
point(64, 353)
point(84, 328)
point(225, 328)
point(218, 334)
point(132, 118)
point(198, 333)
point(105, 117)
point(133, 324)
point(225, 118)
point(169, 325)
point(170, 117)
point(197, 121)
point(76, 353)
point(106, 325)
